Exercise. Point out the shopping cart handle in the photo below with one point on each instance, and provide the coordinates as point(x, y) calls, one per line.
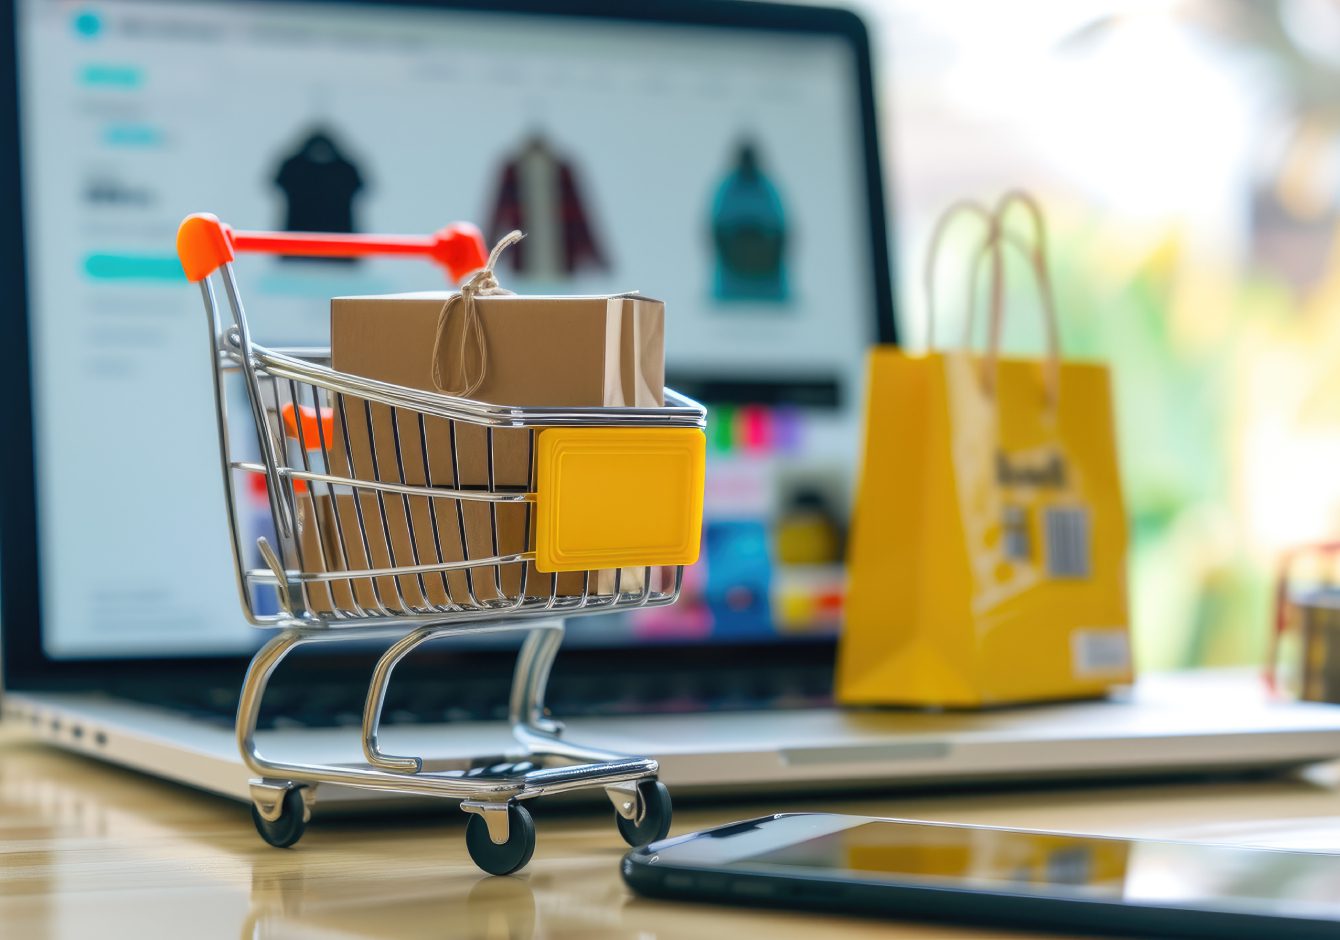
point(301, 424)
point(204, 244)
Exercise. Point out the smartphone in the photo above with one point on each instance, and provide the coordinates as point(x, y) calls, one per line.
point(1003, 877)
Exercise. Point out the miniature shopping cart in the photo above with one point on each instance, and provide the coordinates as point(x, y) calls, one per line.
point(613, 505)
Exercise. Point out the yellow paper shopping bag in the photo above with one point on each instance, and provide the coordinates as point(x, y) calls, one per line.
point(988, 552)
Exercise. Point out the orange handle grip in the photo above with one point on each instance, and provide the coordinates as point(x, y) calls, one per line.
point(301, 424)
point(204, 244)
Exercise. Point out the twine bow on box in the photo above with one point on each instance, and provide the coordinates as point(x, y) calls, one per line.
point(483, 283)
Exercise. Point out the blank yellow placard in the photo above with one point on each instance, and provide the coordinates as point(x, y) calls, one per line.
point(618, 497)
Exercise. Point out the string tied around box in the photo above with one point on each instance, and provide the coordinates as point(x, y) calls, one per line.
point(483, 283)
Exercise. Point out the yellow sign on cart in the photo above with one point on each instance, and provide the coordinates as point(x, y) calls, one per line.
point(616, 497)
point(988, 550)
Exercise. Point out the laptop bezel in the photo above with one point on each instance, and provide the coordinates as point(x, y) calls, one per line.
point(24, 663)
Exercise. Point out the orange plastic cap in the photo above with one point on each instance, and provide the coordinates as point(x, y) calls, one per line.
point(460, 249)
point(203, 244)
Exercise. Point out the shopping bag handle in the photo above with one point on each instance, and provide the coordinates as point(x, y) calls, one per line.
point(1035, 251)
point(989, 249)
point(962, 207)
point(204, 244)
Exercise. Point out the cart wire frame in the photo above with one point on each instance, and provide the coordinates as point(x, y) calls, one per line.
point(296, 401)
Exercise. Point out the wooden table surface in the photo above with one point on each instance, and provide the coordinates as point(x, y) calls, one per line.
point(88, 850)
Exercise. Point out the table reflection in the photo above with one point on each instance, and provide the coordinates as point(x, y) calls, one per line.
point(88, 846)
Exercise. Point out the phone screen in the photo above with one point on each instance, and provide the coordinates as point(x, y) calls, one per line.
point(1170, 874)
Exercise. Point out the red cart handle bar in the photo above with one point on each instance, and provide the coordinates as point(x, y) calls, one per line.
point(204, 244)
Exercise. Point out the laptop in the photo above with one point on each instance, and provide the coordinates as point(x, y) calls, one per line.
point(722, 156)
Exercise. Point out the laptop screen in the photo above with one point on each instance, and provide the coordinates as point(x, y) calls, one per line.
point(719, 169)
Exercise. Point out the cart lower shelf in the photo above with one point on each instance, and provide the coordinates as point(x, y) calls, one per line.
point(500, 834)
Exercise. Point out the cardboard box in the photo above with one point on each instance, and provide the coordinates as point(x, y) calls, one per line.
point(329, 532)
point(540, 351)
point(578, 351)
point(311, 553)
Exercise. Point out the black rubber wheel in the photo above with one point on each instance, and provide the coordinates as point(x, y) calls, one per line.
point(513, 854)
point(288, 828)
point(655, 818)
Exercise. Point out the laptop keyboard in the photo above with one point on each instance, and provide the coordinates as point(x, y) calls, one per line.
point(340, 704)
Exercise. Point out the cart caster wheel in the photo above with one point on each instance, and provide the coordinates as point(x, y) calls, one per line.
point(288, 828)
point(655, 817)
point(513, 854)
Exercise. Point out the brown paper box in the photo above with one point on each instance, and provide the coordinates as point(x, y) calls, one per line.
point(576, 351)
point(311, 553)
point(541, 351)
point(334, 543)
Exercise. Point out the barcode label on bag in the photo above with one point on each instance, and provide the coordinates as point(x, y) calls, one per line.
point(1067, 540)
point(1101, 652)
